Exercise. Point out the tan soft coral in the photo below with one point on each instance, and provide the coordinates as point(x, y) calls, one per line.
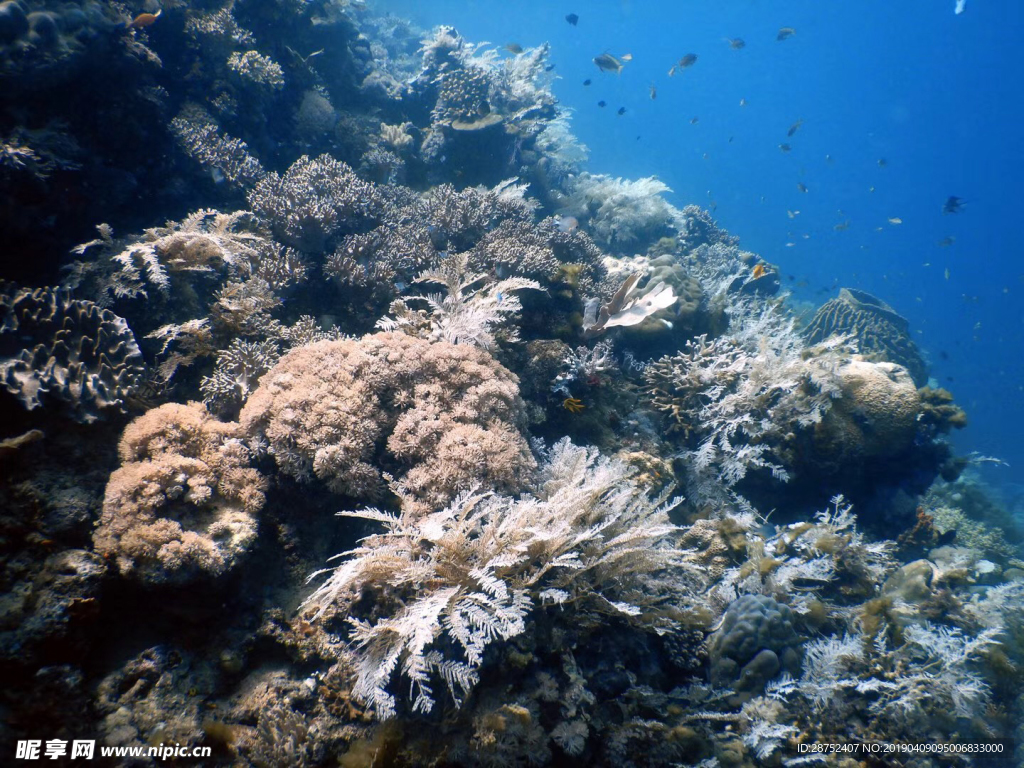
point(443, 417)
point(183, 505)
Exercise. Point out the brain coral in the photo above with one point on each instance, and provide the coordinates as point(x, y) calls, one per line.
point(64, 348)
point(183, 504)
point(440, 417)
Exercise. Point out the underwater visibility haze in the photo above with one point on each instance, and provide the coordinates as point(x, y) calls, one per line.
point(511, 384)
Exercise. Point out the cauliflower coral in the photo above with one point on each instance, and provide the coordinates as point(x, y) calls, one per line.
point(183, 504)
point(439, 417)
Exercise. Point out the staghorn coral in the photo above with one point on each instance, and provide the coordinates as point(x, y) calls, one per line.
point(880, 332)
point(313, 200)
point(201, 138)
point(443, 416)
point(71, 350)
point(258, 69)
point(590, 542)
point(183, 505)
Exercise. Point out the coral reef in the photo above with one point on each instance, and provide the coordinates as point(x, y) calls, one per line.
point(504, 603)
point(591, 539)
point(183, 505)
point(70, 350)
point(879, 331)
point(444, 417)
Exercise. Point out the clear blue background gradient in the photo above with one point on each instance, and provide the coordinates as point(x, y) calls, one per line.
point(938, 96)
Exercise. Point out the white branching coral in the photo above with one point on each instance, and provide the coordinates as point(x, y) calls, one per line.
point(590, 541)
point(257, 68)
point(469, 311)
point(622, 215)
point(739, 397)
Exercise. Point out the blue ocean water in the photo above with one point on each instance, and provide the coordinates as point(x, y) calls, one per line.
point(903, 105)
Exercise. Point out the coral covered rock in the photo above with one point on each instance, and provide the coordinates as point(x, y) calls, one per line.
point(755, 643)
point(442, 417)
point(876, 414)
point(880, 332)
point(53, 346)
point(183, 505)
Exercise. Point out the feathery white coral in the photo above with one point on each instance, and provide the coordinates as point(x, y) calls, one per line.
point(591, 539)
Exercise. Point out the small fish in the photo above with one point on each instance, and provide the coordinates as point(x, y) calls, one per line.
point(842, 225)
point(871, 189)
point(829, 159)
point(572, 18)
point(953, 204)
point(694, 120)
point(608, 63)
point(758, 272)
point(785, 147)
point(792, 214)
point(801, 186)
point(602, 103)
point(627, 57)
point(947, 241)
point(144, 20)
point(621, 111)
point(736, 42)
point(944, 354)
point(959, 8)
point(895, 220)
point(790, 245)
point(687, 61)
point(794, 127)
point(672, 71)
point(567, 223)
point(882, 162)
point(730, 139)
point(549, 68)
point(946, 272)
point(654, 92)
point(573, 405)
point(587, 81)
point(514, 48)
point(785, 33)
point(743, 102)
point(705, 155)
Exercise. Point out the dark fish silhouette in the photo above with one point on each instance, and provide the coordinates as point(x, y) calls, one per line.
point(602, 103)
point(953, 204)
point(587, 81)
point(946, 538)
point(785, 33)
point(608, 63)
point(687, 61)
point(622, 111)
point(736, 43)
point(572, 18)
point(794, 127)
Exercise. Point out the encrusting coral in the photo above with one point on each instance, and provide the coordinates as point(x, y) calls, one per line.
point(183, 506)
point(441, 417)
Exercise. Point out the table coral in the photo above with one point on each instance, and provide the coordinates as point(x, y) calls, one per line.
point(183, 505)
point(448, 415)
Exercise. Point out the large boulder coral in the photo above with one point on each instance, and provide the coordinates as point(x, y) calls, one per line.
point(875, 416)
point(755, 642)
point(183, 505)
point(440, 417)
point(69, 350)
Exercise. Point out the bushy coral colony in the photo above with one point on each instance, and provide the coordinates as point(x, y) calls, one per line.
point(588, 460)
